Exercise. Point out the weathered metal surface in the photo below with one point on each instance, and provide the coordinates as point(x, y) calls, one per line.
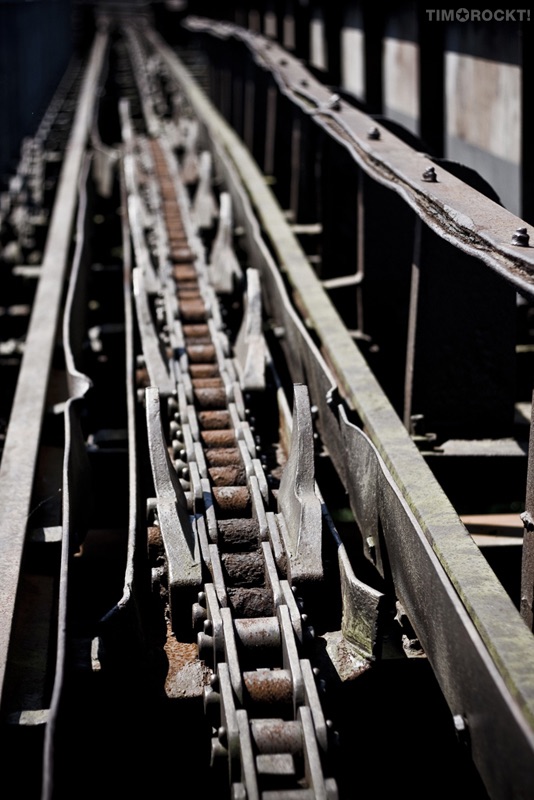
point(248, 617)
point(178, 532)
point(22, 439)
point(269, 687)
point(297, 501)
point(224, 266)
point(527, 567)
point(76, 492)
point(252, 629)
point(471, 222)
point(128, 603)
point(250, 346)
point(496, 641)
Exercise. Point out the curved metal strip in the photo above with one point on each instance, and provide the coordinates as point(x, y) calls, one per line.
point(76, 473)
point(115, 630)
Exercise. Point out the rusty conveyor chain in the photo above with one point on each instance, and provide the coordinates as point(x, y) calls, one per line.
point(239, 537)
point(407, 524)
point(263, 699)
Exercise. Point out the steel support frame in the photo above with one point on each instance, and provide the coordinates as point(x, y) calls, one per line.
point(465, 620)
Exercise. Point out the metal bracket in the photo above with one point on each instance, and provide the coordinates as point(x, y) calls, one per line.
point(297, 501)
point(182, 552)
point(250, 346)
point(224, 266)
point(204, 209)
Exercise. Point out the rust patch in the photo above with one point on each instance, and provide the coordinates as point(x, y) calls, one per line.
point(222, 456)
point(251, 602)
point(141, 378)
point(224, 437)
point(240, 533)
point(244, 569)
point(194, 331)
point(214, 420)
point(186, 674)
point(277, 736)
point(192, 311)
point(204, 371)
point(232, 499)
point(210, 398)
point(201, 353)
point(228, 476)
point(208, 383)
point(188, 289)
point(272, 688)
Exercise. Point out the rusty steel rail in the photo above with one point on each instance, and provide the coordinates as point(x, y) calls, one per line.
point(466, 622)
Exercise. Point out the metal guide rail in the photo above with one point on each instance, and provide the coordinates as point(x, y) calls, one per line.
point(23, 438)
point(24, 218)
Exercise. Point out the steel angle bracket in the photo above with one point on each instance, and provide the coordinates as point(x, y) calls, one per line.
point(180, 540)
point(224, 267)
point(204, 210)
point(297, 501)
point(364, 611)
point(250, 346)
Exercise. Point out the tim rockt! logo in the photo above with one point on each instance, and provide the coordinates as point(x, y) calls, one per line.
point(476, 15)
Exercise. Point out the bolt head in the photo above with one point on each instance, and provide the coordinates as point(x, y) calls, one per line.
point(521, 238)
point(373, 133)
point(430, 175)
point(459, 722)
point(334, 102)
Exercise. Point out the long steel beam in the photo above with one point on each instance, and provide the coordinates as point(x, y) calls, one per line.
point(451, 208)
point(24, 430)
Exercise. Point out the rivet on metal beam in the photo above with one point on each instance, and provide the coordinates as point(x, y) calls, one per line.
point(373, 133)
point(303, 82)
point(430, 175)
point(334, 102)
point(521, 237)
point(461, 728)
